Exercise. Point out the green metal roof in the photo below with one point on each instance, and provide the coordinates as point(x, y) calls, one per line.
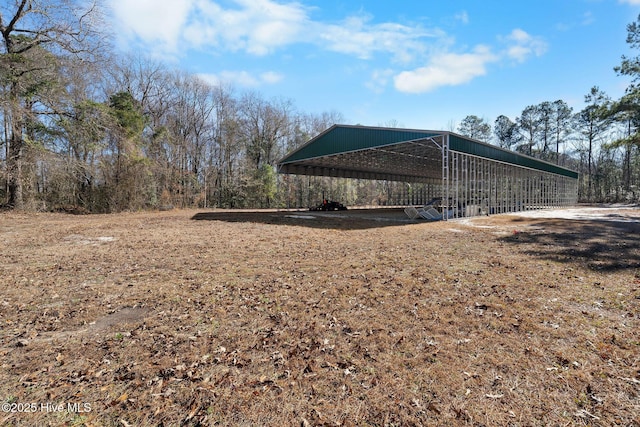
point(342, 139)
point(394, 154)
point(469, 146)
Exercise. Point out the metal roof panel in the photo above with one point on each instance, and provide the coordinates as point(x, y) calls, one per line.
point(394, 154)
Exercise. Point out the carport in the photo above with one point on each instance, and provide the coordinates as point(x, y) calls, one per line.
point(466, 176)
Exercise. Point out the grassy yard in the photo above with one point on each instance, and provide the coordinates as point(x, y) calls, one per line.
point(276, 318)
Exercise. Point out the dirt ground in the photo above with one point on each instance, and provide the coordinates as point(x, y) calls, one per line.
point(356, 318)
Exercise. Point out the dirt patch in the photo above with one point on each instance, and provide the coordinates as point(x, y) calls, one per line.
point(310, 318)
point(126, 316)
point(118, 321)
point(82, 240)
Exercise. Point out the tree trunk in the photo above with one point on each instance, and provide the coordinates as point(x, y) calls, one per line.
point(589, 170)
point(14, 169)
point(15, 158)
point(626, 163)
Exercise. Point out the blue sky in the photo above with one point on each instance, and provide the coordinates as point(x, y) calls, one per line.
point(420, 64)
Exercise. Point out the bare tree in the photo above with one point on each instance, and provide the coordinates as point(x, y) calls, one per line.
point(265, 128)
point(226, 150)
point(190, 122)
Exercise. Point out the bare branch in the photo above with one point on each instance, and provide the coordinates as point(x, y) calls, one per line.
point(19, 14)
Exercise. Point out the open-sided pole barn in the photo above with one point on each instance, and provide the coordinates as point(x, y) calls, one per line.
point(468, 177)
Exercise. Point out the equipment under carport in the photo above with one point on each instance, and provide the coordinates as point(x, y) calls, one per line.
point(329, 205)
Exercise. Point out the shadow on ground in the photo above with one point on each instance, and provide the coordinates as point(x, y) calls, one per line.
point(608, 244)
point(356, 219)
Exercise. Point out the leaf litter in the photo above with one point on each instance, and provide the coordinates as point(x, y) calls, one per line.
point(325, 322)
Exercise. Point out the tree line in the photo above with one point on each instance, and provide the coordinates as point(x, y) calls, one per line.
point(86, 130)
point(597, 141)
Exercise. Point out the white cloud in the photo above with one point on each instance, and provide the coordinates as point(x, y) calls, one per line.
point(153, 21)
point(447, 69)
point(259, 27)
point(256, 26)
point(271, 77)
point(452, 69)
point(169, 28)
point(522, 45)
point(588, 18)
point(631, 2)
point(379, 80)
point(242, 78)
point(358, 36)
point(462, 17)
